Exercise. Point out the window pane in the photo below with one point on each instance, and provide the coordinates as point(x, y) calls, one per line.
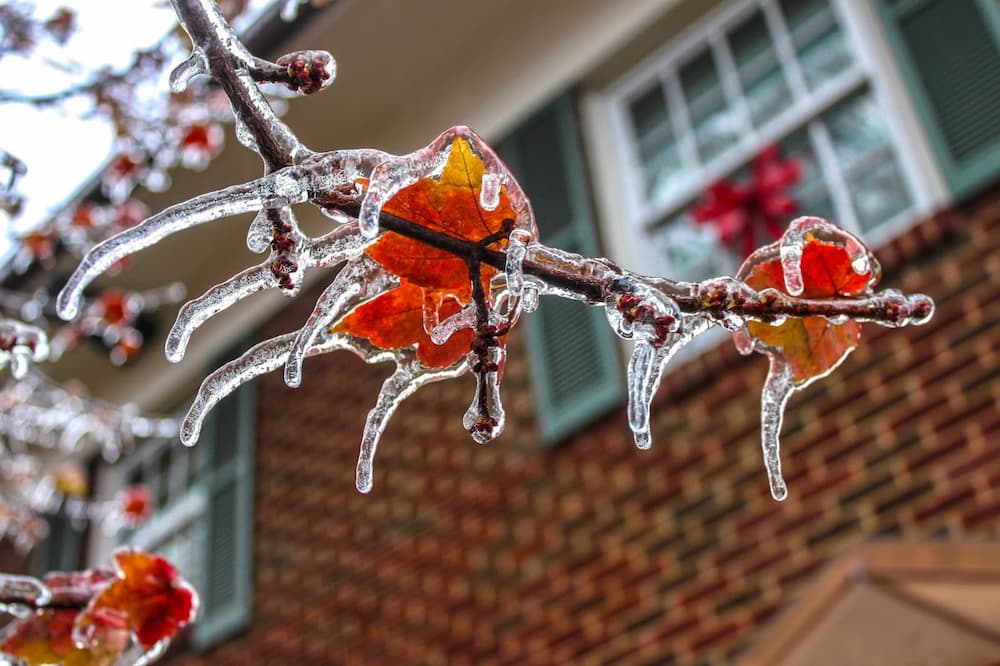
point(811, 193)
point(761, 76)
point(868, 160)
point(716, 126)
point(818, 41)
point(657, 145)
point(692, 250)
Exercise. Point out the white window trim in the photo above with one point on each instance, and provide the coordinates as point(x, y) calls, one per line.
point(618, 191)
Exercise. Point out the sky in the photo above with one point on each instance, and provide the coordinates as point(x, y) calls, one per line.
point(61, 149)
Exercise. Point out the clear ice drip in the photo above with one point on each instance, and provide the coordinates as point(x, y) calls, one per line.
point(20, 345)
point(401, 384)
point(187, 70)
point(260, 359)
point(778, 387)
point(464, 318)
point(489, 193)
point(259, 233)
point(485, 418)
point(645, 368)
point(359, 279)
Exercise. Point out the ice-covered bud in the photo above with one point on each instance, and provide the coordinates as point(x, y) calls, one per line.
point(308, 71)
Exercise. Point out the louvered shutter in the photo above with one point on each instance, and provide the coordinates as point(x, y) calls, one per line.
point(949, 53)
point(575, 368)
point(227, 585)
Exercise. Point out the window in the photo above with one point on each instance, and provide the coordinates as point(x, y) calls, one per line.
point(949, 54)
point(783, 72)
point(203, 518)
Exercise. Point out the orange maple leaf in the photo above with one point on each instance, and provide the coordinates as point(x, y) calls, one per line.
point(812, 346)
point(448, 204)
point(148, 597)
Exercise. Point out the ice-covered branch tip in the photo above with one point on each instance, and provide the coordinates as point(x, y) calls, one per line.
point(439, 256)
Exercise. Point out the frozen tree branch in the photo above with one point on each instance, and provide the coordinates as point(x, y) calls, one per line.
point(472, 264)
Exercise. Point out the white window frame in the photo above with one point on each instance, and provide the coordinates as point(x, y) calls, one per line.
point(619, 180)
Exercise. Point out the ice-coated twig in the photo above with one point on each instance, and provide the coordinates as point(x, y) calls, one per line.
point(401, 384)
point(27, 589)
point(778, 387)
point(279, 189)
point(323, 252)
point(230, 63)
point(361, 278)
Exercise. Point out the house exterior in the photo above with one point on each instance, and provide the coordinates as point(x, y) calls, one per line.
point(560, 542)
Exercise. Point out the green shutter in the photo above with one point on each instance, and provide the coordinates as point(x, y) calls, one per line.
point(574, 359)
point(949, 53)
point(227, 585)
point(60, 551)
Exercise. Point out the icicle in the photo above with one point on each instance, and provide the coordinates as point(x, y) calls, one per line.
point(260, 359)
point(259, 233)
point(389, 178)
point(401, 384)
point(517, 250)
point(489, 193)
point(430, 310)
point(464, 318)
point(484, 419)
point(27, 588)
point(362, 278)
point(187, 70)
point(778, 387)
point(645, 368)
point(206, 208)
point(197, 311)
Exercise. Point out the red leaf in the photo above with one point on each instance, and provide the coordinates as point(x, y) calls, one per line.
point(148, 598)
point(448, 204)
point(812, 346)
point(394, 320)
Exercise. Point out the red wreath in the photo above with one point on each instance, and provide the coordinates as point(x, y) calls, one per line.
point(742, 212)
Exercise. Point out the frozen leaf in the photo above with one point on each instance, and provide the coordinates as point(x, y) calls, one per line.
point(812, 346)
point(395, 320)
point(46, 639)
point(450, 205)
point(436, 284)
point(148, 598)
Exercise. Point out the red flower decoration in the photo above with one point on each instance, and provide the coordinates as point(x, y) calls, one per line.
point(135, 505)
point(741, 212)
point(148, 598)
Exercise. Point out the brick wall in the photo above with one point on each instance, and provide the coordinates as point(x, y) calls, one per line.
point(594, 552)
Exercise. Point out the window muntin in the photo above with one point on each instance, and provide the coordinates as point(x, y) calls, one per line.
point(769, 71)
